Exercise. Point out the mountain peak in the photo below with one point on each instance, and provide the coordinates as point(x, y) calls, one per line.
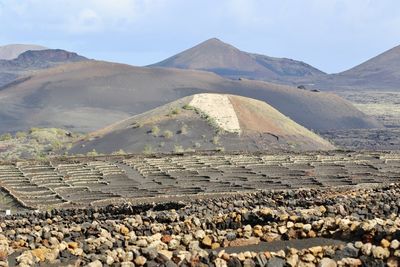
point(387, 61)
point(214, 39)
point(211, 54)
point(215, 42)
point(380, 72)
point(226, 60)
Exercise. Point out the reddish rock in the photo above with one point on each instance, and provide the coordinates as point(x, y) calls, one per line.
point(269, 237)
point(267, 254)
point(244, 242)
point(166, 239)
point(311, 234)
point(3, 255)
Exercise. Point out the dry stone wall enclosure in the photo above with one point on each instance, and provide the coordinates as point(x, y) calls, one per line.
point(91, 181)
point(310, 209)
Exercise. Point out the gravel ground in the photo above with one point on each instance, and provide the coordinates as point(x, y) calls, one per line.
point(358, 227)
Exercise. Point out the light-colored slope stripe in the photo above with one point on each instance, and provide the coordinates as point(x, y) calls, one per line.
point(219, 108)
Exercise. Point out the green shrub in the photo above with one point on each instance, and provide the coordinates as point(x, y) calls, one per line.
point(168, 134)
point(184, 129)
point(92, 153)
point(21, 135)
point(59, 131)
point(33, 129)
point(215, 140)
point(119, 152)
point(178, 149)
point(148, 149)
point(187, 107)
point(174, 111)
point(6, 137)
point(56, 145)
point(39, 143)
point(47, 135)
point(155, 130)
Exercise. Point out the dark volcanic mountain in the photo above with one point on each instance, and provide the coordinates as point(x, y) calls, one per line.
point(88, 95)
point(12, 51)
point(221, 58)
point(40, 59)
point(379, 73)
point(10, 70)
point(205, 122)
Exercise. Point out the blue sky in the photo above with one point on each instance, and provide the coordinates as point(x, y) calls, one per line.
point(332, 35)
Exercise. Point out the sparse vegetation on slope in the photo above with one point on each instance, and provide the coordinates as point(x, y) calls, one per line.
point(155, 131)
point(36, 143)
point(207, 122)
point(168, 134)
point(184, 130)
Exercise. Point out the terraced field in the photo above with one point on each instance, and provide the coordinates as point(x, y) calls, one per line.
point(77, 182)
point(383, 106)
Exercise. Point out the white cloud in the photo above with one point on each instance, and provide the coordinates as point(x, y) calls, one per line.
point(86, 21)
point(119, 15)
point(79, 16)
point(320, 32)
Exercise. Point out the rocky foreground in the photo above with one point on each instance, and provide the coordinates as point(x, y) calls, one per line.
point(324, 227)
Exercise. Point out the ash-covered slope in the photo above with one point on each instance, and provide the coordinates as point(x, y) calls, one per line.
point(226, 60)
point(88, 95)
point(32, 60)
point(378, 73)
point(205, 122)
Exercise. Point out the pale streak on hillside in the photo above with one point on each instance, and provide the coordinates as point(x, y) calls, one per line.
point(219, 108)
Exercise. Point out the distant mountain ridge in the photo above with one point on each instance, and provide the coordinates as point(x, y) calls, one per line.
point(87, 95)
point(378, 73)
point(12, 70)
point(41, 59)
point(381, 72)
point(12, 51)
point(228, 61)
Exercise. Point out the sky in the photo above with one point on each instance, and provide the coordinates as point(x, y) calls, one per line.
point(332, 35)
